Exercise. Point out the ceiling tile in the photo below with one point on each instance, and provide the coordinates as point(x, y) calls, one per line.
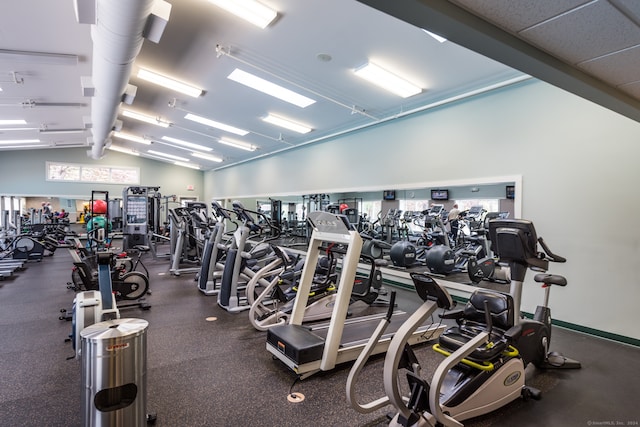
point(618, 68)
point(516, 15)
point(578, 36)
point(629, 7)
point(632, 89)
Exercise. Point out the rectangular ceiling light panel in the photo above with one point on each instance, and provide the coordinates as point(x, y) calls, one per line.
point(24, 146)
point(168, 156)
point(19, 141)
point(122, 150)
point(270, 88)
point(207, 157)
point(145, 118)
point(238, 144)
point(250, 10)
point(438, 38)
point(38, 57)
point(387, 80)
point(187, 165)
point(131, 137)
point(287, 124)
point(6, 122)
point(214, 124)
point(187, 144)
point(169, 83)
point(59, 131)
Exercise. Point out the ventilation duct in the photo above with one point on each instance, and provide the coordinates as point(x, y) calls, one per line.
point(118, 32)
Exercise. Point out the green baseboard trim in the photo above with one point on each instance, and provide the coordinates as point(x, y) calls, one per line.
point(398, 284)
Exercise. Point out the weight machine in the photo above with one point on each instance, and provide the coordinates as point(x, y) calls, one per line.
point(140, 215)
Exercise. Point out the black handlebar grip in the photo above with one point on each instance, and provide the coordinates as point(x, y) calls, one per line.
point(392, 304)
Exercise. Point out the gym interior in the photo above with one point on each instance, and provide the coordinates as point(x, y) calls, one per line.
point(529, 150)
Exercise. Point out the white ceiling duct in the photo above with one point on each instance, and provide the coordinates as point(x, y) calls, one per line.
point(118, 32)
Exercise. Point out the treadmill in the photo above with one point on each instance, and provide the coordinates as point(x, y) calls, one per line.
point(307, 349)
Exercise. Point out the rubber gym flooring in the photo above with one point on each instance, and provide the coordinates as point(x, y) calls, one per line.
point(218, 373)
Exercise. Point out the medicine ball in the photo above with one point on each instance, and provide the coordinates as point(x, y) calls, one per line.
point(440, 259)
point(403, 254)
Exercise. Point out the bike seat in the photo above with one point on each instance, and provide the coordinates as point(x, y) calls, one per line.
point(550, 279)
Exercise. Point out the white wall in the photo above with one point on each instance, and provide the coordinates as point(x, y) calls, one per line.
point(579, 167)
point(23, 174)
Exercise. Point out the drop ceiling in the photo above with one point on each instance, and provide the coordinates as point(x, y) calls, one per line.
point(312, 48)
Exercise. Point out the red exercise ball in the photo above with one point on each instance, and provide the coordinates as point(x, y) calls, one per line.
point(99, 207)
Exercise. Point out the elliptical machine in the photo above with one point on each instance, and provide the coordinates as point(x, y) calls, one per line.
point(214, 252)
point(487, 267)
point(486, 354)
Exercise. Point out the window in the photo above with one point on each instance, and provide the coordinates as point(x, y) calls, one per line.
point(414, 205)
point(371, 209)
point(62, 172)
point(95, 174)
point(85, 173)
point(490, 205)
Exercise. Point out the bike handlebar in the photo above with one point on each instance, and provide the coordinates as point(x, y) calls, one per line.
point(550, 255)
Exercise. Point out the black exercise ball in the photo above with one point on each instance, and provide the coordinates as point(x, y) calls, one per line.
point(403, 254)
point(440, 259)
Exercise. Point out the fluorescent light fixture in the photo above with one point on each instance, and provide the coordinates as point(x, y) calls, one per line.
point(38, 57)
point(435, 36)
point(387, 80)
point(151, 156)
point(57, 131)
point(0, 89)
point(287, 124)
point(19, 141)
point(206, 157)
point(169, 83)
point(190, 145)
point(123, 150)
point(131, 137)
point(13, 129)
point(187, 165)
point(168, 156)
point(144, 118)
point(238, 144)
point(269, 88)
point(24, 146)
point(214, 124)
point(249, 10)
point(12, 122)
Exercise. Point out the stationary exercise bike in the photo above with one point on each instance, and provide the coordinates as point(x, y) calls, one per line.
point(516, 244)
point(126, 282)
point(486, 354)
point(96, 305)
point(99, 304)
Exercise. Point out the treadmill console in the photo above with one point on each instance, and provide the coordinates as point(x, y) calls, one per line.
point(327, 222)
point(436, 210)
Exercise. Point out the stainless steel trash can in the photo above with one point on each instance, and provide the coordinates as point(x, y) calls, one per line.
point(114, 373)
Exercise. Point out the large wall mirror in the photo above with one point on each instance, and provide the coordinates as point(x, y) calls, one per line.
point(502, 195)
